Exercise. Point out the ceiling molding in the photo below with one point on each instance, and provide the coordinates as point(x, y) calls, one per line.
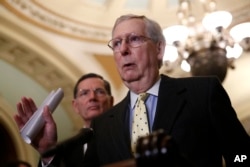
point(49, 20)
point(40, 15)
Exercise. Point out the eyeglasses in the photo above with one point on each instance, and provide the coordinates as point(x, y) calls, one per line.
point(133, 40)
point(99, 92)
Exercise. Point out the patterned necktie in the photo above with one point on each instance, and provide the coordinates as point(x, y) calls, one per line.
point(140, 125)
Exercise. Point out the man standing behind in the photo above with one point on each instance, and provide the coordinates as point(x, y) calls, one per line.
point(92, 97)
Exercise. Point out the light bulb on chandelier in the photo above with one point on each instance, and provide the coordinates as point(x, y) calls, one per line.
point(206, 47)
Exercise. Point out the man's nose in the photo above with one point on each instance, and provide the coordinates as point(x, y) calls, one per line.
point(124, 46)
point(92, 94)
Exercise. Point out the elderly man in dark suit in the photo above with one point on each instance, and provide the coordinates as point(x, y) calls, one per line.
point(196, 112)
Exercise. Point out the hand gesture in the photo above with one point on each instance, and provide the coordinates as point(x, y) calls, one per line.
point(47, 137)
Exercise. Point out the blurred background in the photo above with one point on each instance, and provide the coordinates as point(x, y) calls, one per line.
point(48, 44)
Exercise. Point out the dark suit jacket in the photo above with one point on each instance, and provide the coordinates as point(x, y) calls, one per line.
point(72, 156)
point(69, 156)
point(195, 111)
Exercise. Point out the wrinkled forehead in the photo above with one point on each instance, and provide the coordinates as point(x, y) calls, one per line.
point(91, 83)
point(126, 27)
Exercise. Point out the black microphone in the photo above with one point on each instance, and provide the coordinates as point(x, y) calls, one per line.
point(83, 137)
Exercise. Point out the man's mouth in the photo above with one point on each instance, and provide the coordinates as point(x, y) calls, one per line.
point(128, 65)
point(94, 107)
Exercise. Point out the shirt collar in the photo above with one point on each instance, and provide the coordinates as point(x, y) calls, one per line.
point(152, 91)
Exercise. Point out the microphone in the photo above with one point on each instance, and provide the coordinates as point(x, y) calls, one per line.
point(159, 148)
point(83, 137)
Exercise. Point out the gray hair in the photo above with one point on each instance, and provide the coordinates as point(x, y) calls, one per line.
point(153, 29)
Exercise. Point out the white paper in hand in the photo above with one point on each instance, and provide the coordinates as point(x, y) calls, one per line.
point(36, 122)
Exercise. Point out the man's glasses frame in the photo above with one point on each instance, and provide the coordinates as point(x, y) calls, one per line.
point(133, 40)
point(99, 92)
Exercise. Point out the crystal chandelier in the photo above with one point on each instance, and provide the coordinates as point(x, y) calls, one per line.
point(206, 47)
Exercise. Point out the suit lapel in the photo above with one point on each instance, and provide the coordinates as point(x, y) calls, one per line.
point(120, 118)
point(171, 100)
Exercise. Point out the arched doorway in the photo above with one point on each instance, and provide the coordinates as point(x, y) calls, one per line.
point(12, 146)
point(8, 151)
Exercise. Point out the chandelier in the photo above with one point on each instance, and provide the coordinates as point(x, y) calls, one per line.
point(206, 47)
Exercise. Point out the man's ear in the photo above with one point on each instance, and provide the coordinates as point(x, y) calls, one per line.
point(111, 101)
point(161, 49)
point(75, 106)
